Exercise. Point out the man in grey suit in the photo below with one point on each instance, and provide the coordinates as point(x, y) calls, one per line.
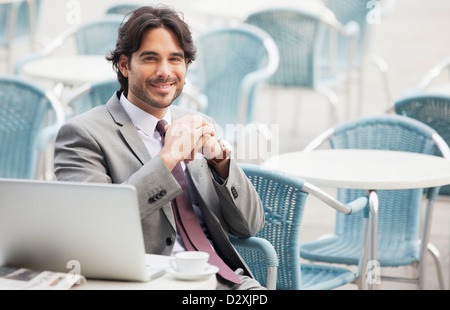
point(118, 143)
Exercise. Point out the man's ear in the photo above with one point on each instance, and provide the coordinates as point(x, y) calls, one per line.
point(123, 65)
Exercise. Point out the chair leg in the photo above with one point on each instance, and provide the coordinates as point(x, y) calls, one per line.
point(272, 278)
point(436, 256)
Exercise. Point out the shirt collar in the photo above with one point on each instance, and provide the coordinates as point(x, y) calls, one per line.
point(141, 119)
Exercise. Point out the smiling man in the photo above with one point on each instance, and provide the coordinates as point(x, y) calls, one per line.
point(156, 72)
point(191, 192)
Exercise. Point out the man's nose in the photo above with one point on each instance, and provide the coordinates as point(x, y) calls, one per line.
point(163, 70)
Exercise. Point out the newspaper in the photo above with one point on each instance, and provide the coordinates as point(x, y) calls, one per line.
point(12, 278)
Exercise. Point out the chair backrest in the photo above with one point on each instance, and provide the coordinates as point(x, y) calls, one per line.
point(349, 11)
point(24, 109)
point(283, 200)
point(427, 82)
point(122, 8)
point(296, 34)
point(98, 37)
point(433, 110)
point(20, 11)
point(399, 210)
point(91, 95)
point(232, 61)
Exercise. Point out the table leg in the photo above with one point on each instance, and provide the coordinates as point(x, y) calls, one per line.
point(364, 256)
point(373, 277)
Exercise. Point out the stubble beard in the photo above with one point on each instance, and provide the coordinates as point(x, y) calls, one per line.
point(144, 95)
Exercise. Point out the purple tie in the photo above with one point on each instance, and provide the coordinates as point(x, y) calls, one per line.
point(187, 223)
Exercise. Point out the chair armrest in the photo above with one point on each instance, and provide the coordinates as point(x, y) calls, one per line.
point(358, 204)
point(259, 244)
point(49, 133)
point(267, 250)
point(355, 206)
point(250, 81)
point(351, 29)
point(319, 140)
point(433, 74)
point(47, 50)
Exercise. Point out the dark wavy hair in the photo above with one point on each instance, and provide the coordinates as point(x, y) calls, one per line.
point(137, 23)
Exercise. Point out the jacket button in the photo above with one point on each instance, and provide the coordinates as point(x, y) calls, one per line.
point(234, 192)
point(168, 241)
point(151, 199)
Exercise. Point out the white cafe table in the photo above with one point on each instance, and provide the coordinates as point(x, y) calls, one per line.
point(365, 169)
point(164, 282)
point(70, 70)
point(370, 170)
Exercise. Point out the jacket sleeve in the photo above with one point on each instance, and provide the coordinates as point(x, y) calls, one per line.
point(83, 157)
point(241, 206)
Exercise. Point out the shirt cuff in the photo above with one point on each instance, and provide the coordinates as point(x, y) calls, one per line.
point(216, 176)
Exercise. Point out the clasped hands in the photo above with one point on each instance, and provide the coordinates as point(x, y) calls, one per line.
point(187, 136)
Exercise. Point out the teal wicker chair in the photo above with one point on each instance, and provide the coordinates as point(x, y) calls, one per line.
point(399, 213)
point(94, 38)
point(123, 8)
point(284, 198)
point(366, 14)
point(433, 110)
point(431, 82)
point(17, 25)
point(24, 134)
point(90, 95)
point(232, 62)
point(298, 35)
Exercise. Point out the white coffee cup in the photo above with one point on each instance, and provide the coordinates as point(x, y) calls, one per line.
point(190, 262)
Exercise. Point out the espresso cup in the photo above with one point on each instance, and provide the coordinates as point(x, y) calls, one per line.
point(190, 262)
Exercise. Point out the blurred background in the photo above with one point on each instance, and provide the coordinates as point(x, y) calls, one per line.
point(407, 39)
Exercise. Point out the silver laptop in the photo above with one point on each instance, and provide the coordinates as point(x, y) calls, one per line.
point(59, 225)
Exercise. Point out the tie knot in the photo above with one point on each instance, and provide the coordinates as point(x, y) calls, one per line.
point(160, 126)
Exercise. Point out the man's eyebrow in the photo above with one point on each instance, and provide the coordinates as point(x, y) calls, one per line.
point(181, 55)
point(152, 53)
point(147, 53)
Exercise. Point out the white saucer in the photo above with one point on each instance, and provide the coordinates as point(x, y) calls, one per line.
point(210, 270)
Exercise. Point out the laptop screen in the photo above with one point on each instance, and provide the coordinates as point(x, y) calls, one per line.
point(45, 225)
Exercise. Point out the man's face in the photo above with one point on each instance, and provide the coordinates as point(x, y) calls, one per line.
point(156, 72)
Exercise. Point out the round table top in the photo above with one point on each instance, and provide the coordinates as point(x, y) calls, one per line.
point(165, 282)
point(364, 169)
point(70, 70)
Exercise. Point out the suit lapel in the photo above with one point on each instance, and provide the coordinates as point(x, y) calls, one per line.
point(127, 129)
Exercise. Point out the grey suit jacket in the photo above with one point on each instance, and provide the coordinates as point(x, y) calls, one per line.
point(103, 146)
